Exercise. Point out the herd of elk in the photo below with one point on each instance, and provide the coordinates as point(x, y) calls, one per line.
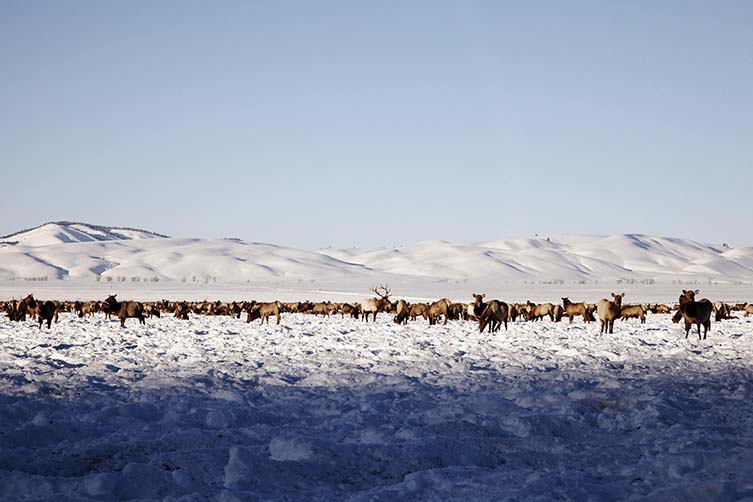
point(491, 314)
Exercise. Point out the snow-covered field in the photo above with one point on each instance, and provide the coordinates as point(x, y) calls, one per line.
point(335, 409)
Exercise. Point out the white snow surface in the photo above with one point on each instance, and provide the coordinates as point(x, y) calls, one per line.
point(336, 409)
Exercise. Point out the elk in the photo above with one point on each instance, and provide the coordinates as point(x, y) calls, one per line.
point(558, 312)
point(181, 311)
point(659, 308)
point(576, 309)
point(348, 309)
point(633, 312)
point(264, 311)
point(748, 310)
point(722, 311)
point(47, 311)
point(494, 315)
point(124, 310)
point(322, 308)
point(695, 312)
point(476, 308)
point(537, 312)
point(437, 309)
point(375, 305)
point(402, 310)
point(608, 311)
point(418, 309)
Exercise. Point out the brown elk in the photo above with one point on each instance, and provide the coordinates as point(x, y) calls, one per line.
point(264, 311)
point(375, 305)
point(748, 310)
point(182, 310)
point(659, 308)
point(537, 312)
point(418, 309)
point(633, 312)
point(722, 311)
point(608, 311)
point(402, 310)
point(322, 308)
point(476, 308)
point(494, 315)
point(350, 310)
point(576, 309)
point(695, 312)
point(438, 309)
point(124, 310)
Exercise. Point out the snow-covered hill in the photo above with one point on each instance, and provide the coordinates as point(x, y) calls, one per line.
point(81, 251)
point(66, 232)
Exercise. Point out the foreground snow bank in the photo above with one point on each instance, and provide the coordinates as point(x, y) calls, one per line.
point(325, 409)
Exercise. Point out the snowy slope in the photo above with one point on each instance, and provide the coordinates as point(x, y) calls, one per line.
point(64, 232)
point(79, 251)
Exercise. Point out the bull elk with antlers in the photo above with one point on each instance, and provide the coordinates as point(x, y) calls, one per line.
point(375, 305)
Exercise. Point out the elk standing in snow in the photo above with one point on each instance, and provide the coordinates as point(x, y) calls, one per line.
point(608, 311)
point(375, 305)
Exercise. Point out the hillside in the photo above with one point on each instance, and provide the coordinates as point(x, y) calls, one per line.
point(66, 232)
point(81, 251)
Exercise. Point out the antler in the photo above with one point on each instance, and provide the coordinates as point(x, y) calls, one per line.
point(384, 288)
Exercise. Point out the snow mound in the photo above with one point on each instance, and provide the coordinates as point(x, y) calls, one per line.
point(66, 232)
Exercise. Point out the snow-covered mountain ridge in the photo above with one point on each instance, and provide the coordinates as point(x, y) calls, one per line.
point(67, 250)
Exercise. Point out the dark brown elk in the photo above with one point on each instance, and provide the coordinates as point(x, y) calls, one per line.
point(264, 311)
point(374, 306)
point(47, 311)
point(401, 312)
point(576, 309)
point(182, 310)
point(695, 312)
point(537, 312)
point(418, 309)
point(558, 313)
point(438, 309)
point(124, 310)
point(633, 312)
point(476, 308)
point(350, 310)
point(456, 311)
point(493, 316)
point(722, 311)
point(608, 311)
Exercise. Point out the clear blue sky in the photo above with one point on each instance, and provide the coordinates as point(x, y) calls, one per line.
point(379, 123)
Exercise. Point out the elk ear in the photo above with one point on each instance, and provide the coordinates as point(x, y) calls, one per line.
point(612, 295)
point(697, 291)
point(623, 294)
point(483, 296)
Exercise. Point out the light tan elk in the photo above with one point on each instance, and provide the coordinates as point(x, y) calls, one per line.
point(437, 309)
point(476, 308)
point(576, 309)
point(264, 311)
point(608, 311)
point(695, 312)
point(633, 312)
point(748, 310)
point(402, 309)
point(322, 308)
point(418, 309)
point(537, 312)
point(374, 306)
point(493, 316)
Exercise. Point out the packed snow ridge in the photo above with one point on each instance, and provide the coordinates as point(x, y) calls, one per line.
point(81, 251)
